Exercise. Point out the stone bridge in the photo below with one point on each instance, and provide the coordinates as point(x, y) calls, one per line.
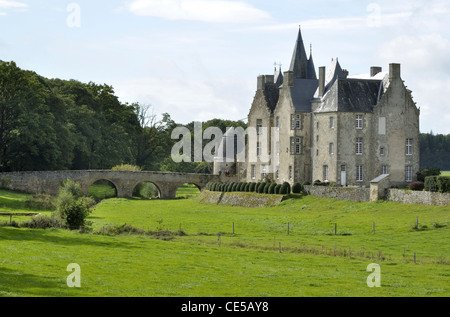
point(125, 182)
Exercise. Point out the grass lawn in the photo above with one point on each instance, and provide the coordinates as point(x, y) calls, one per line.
point(445, 173)
point(313, 260)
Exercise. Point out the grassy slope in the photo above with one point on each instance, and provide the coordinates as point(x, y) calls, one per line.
point(248, 263)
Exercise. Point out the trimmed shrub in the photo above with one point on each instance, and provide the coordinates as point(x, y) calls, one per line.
point(247, 187)
point(261, 188)
point(272, 188)
point(297, 188)
point(443, 183)
point(277, 189)
point(251, 187)
point(234, 187)
point(285, 189)
point(430, 184)
point(431, 171)
point(266, 188)
point(417, 186)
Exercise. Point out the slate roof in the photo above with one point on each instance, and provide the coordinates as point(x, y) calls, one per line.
point(303, 92)
point(272, 94)
point(352, 95)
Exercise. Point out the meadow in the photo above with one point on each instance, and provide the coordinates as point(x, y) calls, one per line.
point(183, 248)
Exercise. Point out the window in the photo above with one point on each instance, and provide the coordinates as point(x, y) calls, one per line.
point(258, 149)
point(253, 171)
point(382, 151)
point(290, 172)
point(259, 126)
point(298, 122)
point(277, 173)
point(278, 148)
point(359, 173)
point(263, 171)
point(277, 123)
point(382, 126)
point(409, 146)
point(325, 173)
point(292, 122)
point(384, 169)
point(292, 146)
point(359, 146)
point(409, 174)
point(298, 145)
point(331, 122)
point(331, 148)
point(359, 121)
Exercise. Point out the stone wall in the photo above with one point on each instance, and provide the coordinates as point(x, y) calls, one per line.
point(240, 199)
point(357, 194)
point(418, 197)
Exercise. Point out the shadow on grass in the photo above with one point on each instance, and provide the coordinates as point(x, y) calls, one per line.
point(15, 283)
point(54, 236)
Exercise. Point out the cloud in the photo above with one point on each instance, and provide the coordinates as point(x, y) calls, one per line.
point(218, 11)
point(7, 4)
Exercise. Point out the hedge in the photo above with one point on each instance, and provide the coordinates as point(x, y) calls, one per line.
point(443, 184)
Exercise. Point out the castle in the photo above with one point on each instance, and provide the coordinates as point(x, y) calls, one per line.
point(336, 128)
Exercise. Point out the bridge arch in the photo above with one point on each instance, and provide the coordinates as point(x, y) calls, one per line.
point(102, 188)
point(188, 189)
point(144, 188)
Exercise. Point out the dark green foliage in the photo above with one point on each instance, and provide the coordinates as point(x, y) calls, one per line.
point(431, 184)
point(431, 171)
point(417, 186)
point(260, 188)
point(44, 222)
point(435, 151)
point(266, 188)
point(297, 188)
point(247, 187)
point(277, 189)
point(272, 188)
point(443, 184)
point(252, 187)
point(285, 189)
point(41, 202)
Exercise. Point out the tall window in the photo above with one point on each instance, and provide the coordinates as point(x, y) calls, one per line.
point(290, 172)
point(359, 121)
point(253, 171)
point(409, 146)
point(359, 146)
point(278, 148)
point(277, 173)
point(277, 123)
point(409, 174)
point(258, 149)
point(263, 171)
point(384, 169)
point(382, 151)
point(325, 173)
point(298, 145)
point(298, 122)
point(359, 173)
point(331, 122)
point(331, 148)
point(292, 122)
point(259, 126)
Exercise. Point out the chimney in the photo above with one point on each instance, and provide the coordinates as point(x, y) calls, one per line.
point(289, 78)
point(321, 81)
point(263, 80)
point(374, 70)
point(394, 71)
point(346, 73)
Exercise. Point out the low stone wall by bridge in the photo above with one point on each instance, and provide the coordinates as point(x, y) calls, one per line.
point(357, 194)
point(124, 181)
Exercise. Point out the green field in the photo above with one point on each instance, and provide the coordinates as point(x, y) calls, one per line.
point(446, 173)
point(261, 258)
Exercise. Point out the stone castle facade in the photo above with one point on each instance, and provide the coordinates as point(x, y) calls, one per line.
point(331, 126)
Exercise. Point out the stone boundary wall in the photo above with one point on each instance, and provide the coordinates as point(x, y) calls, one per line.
point(418, 197)
point(357, 194)
point(240, 199)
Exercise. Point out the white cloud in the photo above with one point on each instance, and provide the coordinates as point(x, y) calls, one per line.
point(198, 10)
point(7, 4)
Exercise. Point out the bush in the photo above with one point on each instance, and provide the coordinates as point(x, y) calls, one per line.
point(251, 187)
point(71, 187)
point(44, 222)
point(76, 212)
point(443, 184)
point(266, 188)
point(431, 171)
point(247, 187)
point(146, 190)
point(285, 189)
point(307, 183)
point(41, 202)
point(430, 184)
point(418, 186)
point(272, 188)
point(277, 189)
point(297, 188)
point(260, 188)
point(127, 168)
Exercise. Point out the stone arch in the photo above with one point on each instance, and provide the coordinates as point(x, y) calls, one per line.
point(158, 187)
point(106, 193)
point(188, 186)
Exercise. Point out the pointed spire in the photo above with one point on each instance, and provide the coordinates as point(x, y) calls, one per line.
point(311, 69)
point(299, 63)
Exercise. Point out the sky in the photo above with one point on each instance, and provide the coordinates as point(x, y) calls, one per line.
point(200, 59)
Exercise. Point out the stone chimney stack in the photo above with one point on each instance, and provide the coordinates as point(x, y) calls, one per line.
point(394, 71)
point(263, 80)
point(289, 78)
point(321, 81)
point(374, 70)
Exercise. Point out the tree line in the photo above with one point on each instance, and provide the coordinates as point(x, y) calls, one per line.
point(54, 124)
point(435, 151)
